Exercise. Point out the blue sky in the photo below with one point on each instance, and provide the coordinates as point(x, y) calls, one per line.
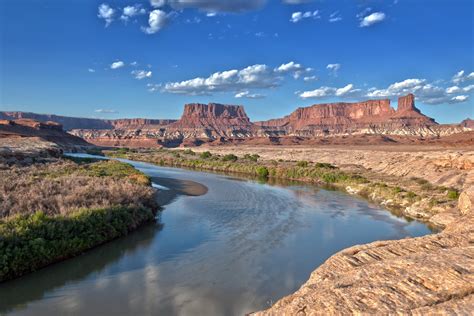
point(116, 59)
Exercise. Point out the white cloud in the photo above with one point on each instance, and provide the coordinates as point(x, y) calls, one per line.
point(141, 74)
point(106, 111)
point(324, 92)
point(295, 69)
point(298, 16)
point(333, 68)
point(117, 65)
point(156, 21)
point(296, 1)
point(428, 93)
point(460, 98)
point(310, 78)
point(133, 63)
point(106, 13)
point(335, 17)
point(219, 6)
point(157, 3)
point(131, 11)
point(248, 95)
point(91, 70)
point(252, 77)
point(346, 90)
point(460, 77)
point(372, 19)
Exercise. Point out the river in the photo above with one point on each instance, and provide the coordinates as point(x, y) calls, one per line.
point(237, 248)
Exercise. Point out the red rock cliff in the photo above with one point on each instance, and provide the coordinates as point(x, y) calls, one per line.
point(213, 115)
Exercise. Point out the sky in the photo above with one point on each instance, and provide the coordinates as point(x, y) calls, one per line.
point(117, 58)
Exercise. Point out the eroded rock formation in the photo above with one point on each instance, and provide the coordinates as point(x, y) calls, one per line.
point(46, 131)
point(218, 123)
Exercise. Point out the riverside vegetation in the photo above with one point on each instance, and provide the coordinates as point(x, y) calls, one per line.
point(413, 198)
point(50, 212)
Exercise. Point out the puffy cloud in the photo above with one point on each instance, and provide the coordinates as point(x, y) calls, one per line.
point(460, 77)
point(141, 74)
point(157, 3)
point(372, 19)
point(324, 92)
point(218, 6)
point(333, 68)
point(106, 111)
point(156, 21)
point(297, 70)
point(117, 65)
point(425, 92)
point(248, 95)
point(459, 98)
point(107, 13)
point(131, 11)
point(252, 77)
point(335, 17)
point(298, 16)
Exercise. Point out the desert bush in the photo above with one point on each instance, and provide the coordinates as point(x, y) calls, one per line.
point(262, 172)
point(253, 157)
point(230, 157)
point(64, 187)
point(452, 194)
point(302, 163)
point(189, 152)
point(205, 155)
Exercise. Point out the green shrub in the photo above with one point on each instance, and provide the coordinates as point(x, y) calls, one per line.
point(262, 172)
point(397, 190)
point(302, 163)
point(230, 157)
point(30, 242)
point(205, 155)
point(253, 157)
point(452, 194)
point(324, 165)
point(411, 195)
point(123, 150)
point(189, 152)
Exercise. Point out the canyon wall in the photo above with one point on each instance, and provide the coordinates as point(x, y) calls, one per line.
point(219, 123)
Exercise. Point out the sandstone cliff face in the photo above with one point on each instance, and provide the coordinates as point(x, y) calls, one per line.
point(368, 117)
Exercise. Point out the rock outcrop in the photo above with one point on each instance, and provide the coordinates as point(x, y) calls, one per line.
point(431, 275)
point(46, 131)
point(467, 123)
point(70, 123)
point(368, 117)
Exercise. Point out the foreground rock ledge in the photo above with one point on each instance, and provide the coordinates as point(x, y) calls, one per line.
point(426, 275)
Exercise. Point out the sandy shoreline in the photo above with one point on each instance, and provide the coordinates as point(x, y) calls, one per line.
point(175, 188)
